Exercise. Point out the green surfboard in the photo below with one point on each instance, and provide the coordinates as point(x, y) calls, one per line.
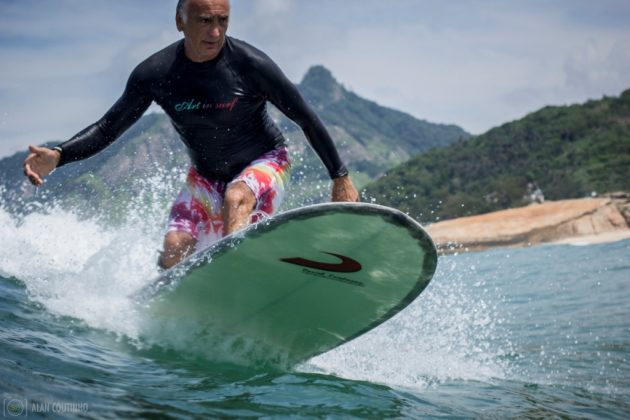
point(302, 282)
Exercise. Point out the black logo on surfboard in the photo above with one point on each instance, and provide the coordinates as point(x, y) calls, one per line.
point(347, 264)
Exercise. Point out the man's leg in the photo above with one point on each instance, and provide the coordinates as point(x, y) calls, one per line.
point(238, 205)
point(259, 187)
point(193, 218)
point(177, 246)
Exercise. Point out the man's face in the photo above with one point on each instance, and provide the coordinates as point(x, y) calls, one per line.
point(204, 24)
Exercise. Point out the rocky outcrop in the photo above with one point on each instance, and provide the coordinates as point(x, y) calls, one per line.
point(582, 220)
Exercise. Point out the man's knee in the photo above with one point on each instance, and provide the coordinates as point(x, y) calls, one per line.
point(178, 240)
point(177, 246)
point(239, 195)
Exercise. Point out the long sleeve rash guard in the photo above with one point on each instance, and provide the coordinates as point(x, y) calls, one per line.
point(218, 108)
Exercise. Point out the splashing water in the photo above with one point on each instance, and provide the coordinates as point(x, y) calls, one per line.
point(452, 331)
point(89, 270)
point(83, 268)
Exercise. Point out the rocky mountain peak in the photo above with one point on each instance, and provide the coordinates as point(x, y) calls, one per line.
point(319, 85)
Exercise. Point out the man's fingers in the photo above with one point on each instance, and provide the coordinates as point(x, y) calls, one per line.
point(35, 180)
point(32, 176)
point(34, 149)
point(27, 166)
point(29, 159)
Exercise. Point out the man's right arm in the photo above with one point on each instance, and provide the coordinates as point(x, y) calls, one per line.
point(122, 115)
point(127, 110)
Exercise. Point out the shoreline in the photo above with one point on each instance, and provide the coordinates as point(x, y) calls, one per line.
point(579, 221)
point(600, 238)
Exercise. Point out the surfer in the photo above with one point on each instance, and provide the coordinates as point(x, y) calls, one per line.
point(214, 88)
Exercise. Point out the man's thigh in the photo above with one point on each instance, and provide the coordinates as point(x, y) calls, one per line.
point(267, 177)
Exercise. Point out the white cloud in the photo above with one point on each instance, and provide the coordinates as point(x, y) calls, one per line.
point(270, 8)
point(598, 65)
point(62, 68)
point(477, 64)
point(474, 63)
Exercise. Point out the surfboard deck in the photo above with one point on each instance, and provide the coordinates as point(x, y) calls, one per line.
point(302, 282)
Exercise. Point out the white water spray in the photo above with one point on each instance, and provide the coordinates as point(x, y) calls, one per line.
point(83, 268)
point(89, 271)
point(450, 332)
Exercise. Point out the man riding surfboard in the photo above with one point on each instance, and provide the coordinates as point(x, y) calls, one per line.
point(214, 88)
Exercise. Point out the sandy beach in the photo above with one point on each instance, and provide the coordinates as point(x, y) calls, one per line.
point(579, 221)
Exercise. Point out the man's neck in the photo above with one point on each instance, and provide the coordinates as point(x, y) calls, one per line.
point(196, 58)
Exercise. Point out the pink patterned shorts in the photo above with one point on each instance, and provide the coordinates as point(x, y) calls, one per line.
point(197, 208)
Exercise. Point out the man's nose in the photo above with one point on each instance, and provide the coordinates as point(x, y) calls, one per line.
point(214, 30)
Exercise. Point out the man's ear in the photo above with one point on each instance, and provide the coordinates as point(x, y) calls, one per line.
point(179, 22)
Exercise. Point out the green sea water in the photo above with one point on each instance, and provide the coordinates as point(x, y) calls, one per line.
point(535, 332)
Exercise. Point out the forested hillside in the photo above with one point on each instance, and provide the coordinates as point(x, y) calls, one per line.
point(564, 151)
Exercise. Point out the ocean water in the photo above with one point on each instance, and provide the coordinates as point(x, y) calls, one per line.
point(535, 332)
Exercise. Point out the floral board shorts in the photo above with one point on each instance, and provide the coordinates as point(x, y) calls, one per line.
point(198, 207)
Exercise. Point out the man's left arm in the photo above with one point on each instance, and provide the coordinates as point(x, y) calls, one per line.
point(286, 97)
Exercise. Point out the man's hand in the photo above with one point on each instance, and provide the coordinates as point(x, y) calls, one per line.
point(343, 190)
point(40, 163)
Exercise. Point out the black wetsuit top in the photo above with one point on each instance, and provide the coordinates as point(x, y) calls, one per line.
point(218, 108)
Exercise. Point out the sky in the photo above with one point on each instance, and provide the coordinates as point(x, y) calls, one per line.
point(474, 63)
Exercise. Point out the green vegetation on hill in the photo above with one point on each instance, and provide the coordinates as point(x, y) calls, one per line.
point(567, 151)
